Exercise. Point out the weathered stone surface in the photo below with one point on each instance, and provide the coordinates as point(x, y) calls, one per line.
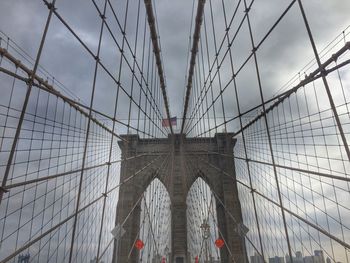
point(177, 162)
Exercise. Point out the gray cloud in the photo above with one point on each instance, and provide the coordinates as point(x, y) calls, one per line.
point(282, 56)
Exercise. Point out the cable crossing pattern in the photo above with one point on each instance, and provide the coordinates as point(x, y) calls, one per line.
point(92, 168)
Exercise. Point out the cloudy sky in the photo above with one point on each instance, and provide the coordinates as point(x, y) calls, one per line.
point(285, 52)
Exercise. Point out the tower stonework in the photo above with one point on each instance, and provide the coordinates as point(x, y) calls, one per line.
point(177, 162)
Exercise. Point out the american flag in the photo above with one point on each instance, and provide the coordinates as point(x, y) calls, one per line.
point(167, 123)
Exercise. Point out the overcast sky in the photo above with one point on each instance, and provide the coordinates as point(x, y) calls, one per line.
point(287, 51)
point(282, 56)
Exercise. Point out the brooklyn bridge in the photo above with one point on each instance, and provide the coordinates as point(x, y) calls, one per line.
point(159, 131)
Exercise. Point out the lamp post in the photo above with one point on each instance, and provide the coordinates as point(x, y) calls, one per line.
point(206, 234)
point(166, 252)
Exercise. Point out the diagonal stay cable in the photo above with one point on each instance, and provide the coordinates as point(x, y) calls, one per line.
point(215, 194)
point(309, 78)
point(165, 161)
point(42, 84)
point(190, 166)
point(316, 227)
point(161, 166)
point(30, 243)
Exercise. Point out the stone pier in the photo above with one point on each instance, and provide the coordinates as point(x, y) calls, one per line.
point(217, 170)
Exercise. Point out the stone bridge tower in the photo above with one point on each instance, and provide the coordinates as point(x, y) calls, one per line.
point(216, 170)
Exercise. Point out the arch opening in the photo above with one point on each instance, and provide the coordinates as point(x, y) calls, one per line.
point(155, 223)
point(202, 224)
